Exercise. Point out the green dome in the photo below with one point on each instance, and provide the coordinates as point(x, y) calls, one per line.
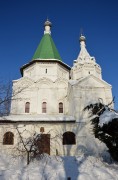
point(46, 49)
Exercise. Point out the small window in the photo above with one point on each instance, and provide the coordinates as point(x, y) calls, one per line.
point(42, 129)
point(60, 107)
point(27, 107)
point(8, 138)
point(69, 138)
point(57, 152)
point(44, 107)
point(89, 72)
point(46, 71)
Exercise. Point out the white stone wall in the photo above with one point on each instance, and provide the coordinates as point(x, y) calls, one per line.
point(27, 130)
point(50, 70)
point(81, 131)
point(37, 86)
point(81, 70)
point(86, 91)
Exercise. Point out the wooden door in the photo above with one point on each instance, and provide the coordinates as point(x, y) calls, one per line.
point(44, 144)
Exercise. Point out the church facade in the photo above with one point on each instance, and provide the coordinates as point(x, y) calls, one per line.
point(50, 97)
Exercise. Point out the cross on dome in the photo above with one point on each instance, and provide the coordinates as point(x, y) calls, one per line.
point(47, 26)
point(84, 56)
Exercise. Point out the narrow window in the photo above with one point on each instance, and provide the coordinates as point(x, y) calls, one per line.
point(8, 138)
point(44, 108)
point(46, 71)
point(42, 129)
point(57, 152)
point(69, 138)
point(60, 107)
point(27, 107)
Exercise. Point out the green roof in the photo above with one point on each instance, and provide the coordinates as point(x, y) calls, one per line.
point(46, 49)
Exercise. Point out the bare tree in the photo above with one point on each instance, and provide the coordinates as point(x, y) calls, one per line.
point(5, 97)
point(29, 145)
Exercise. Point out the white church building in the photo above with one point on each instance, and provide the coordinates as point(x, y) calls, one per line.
point(50, 97)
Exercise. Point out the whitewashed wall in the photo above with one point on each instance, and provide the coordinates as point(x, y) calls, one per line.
point(51, 70)
point(86, 91)
point(85, 140)
point(39, 86)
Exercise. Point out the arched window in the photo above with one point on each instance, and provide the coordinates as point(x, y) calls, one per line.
point(27, 107)
point(42, 129)
point(69, 138)
point(60, 107)
point(8, 138)
point(44, 107)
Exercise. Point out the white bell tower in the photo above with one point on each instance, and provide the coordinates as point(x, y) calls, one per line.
point(85, 65)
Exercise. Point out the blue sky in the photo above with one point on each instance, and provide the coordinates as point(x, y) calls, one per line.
point(21, 28)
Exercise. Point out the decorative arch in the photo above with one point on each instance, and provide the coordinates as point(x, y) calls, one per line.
point(69, 138)
point(46, 81)
point(8, 138)
point(27, 107)
point(61, 83)
point(24, 82)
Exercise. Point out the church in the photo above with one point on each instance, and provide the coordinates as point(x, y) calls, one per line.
point(49, 99)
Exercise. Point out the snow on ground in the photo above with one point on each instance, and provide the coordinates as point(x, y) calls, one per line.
point(57, 168)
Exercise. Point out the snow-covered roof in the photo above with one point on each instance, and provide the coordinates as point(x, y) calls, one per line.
point(38, 118)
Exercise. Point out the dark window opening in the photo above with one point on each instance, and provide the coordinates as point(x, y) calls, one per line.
point(57, 152)
point(44, 107)
point(46, 71)
point(60, 107)
point(8, 138)
point(69, 138)
point(27, 107)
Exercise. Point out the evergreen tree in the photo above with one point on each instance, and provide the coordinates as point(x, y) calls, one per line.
point(108, 132)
